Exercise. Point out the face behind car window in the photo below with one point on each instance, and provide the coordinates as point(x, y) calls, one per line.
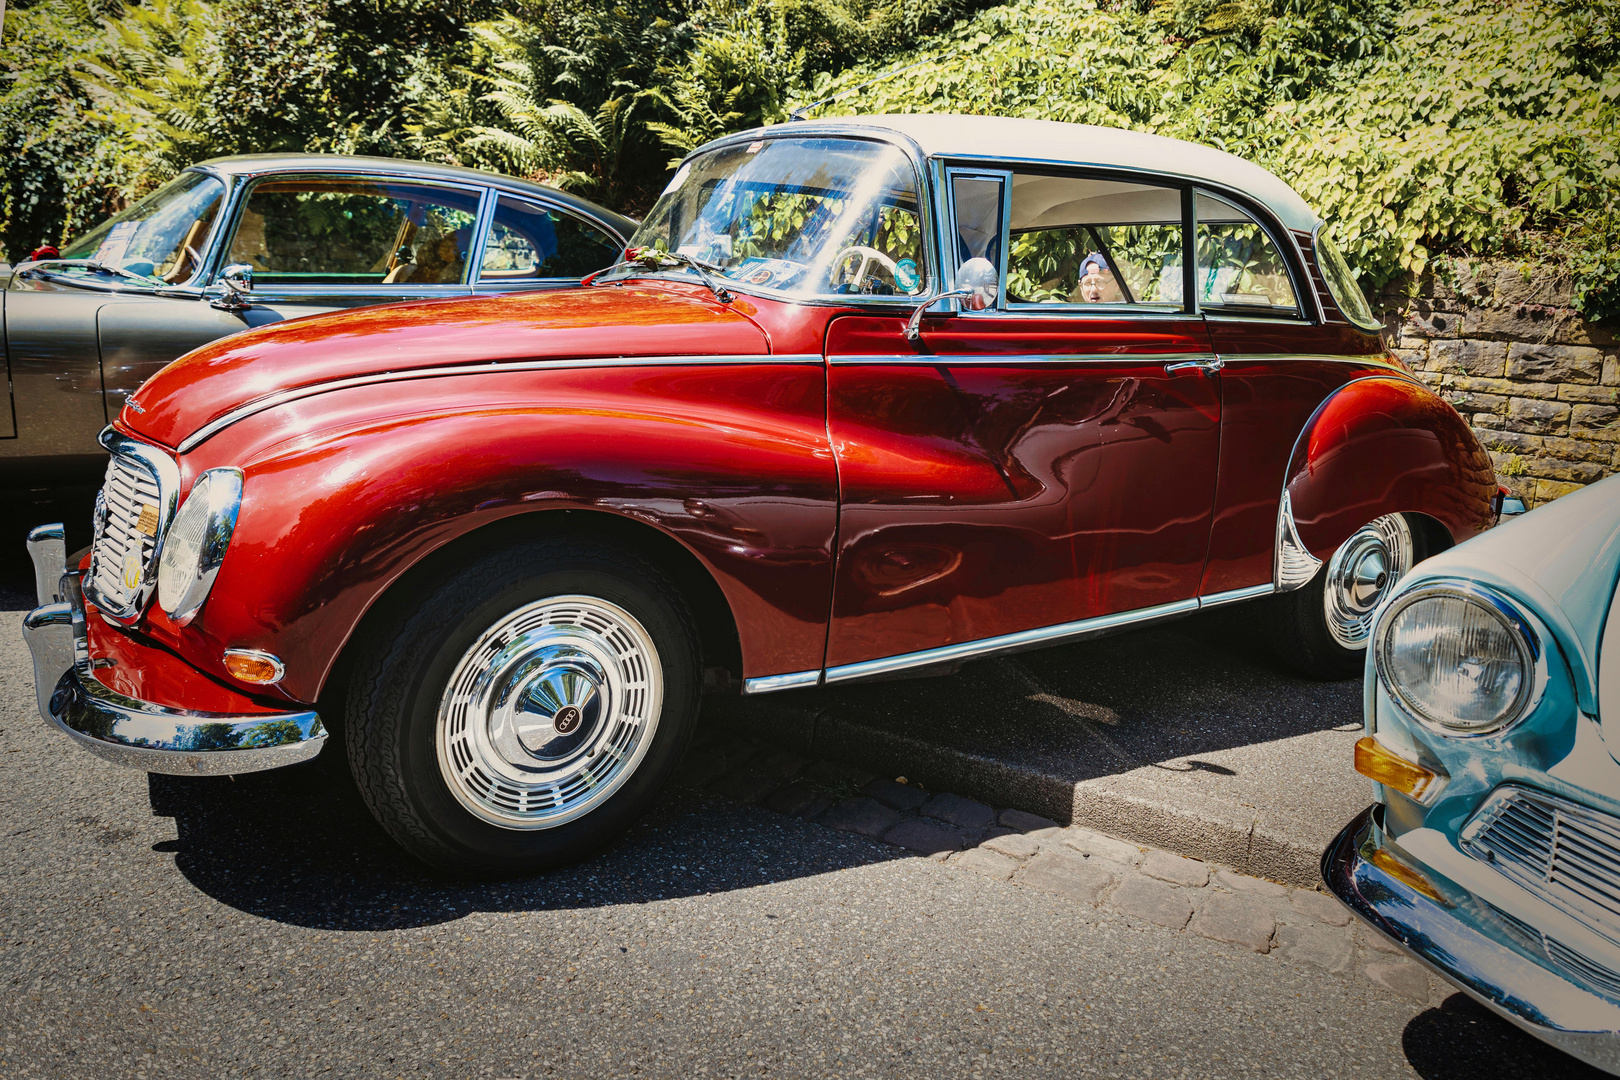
point(1079, 240)
point(344, 231)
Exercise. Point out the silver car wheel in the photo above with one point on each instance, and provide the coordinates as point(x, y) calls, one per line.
point(549, 713)
point(1361, 574)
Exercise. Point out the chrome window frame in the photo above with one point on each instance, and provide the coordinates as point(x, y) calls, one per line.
point(1295, 268)
point(279, 293)
point(925, 209)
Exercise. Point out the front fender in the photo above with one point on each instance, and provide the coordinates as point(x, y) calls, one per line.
point(1382, 445)
point(347, 491)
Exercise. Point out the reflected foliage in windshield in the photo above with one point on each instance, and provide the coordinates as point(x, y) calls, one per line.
point(809, 216)
point(162, 236)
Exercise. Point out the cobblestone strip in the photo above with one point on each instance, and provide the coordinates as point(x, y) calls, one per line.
point(1142, 885)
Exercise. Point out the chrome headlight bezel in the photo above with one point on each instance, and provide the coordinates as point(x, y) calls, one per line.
point(1522, 629)
point(184, 578)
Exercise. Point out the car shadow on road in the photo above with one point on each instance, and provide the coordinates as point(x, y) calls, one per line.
point(297, 845)
point(1460, 1040)
point(1162, 697)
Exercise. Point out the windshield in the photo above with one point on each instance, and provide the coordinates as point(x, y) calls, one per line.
point(162, 236)
point(820, 217)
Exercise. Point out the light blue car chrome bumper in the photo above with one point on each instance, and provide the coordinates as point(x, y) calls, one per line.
point(126, 730)
point(1464, 942)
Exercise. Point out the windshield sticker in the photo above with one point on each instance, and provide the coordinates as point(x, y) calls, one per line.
point(905, 274)
point(116, 244)
point(766, 273)
point(756, 146)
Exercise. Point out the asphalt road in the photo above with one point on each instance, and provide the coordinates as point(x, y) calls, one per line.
point(178, 927)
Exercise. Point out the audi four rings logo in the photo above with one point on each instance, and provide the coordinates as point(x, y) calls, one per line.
point(566, 720)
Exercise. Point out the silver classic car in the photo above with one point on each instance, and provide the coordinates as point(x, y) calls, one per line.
point(236, 243)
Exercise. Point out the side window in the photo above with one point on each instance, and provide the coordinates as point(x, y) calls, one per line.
point(1240, 270)
point(354, 231)
point(1083, 240)
point(526, 240)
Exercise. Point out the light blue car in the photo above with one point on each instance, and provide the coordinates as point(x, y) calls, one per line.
point(1492, 851)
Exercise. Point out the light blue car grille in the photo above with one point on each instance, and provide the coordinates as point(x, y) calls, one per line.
point(1565, 853)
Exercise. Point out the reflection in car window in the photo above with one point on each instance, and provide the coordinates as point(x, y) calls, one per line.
point(162, 236)
point(528, 241)
point(1239, 268)
point(354, 231)
point(812, 216)
point(1341, 282)
point(1079, 240)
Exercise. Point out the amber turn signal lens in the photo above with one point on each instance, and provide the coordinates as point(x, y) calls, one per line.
point(1375, 761)
point(253, 666)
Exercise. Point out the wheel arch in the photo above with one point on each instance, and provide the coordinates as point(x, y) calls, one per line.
point(1386, 444)
point(719, 642)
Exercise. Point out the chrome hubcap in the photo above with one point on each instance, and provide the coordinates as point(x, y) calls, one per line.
point(1361, 574)
point(549, 712)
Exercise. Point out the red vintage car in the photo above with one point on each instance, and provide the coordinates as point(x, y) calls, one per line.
point(868, 398)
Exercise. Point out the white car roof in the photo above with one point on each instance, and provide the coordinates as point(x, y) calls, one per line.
point(957, 136)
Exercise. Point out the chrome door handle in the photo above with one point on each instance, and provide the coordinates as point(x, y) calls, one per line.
point(1207, 366)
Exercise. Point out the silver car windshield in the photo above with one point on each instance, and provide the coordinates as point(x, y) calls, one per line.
point(805, 216)
point(161, 237)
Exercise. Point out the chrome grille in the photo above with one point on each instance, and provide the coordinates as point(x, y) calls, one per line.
point(132, 511)
point(1566, 853)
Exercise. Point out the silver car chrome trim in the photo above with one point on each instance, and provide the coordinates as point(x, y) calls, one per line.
point(1233, 596)
point(270, 401)
point(1557, 849)
point(48, 551)
point(1450, 935)
point(165, 474)
point(143, 735)
point(1392, 370)
point(1292, 563)
point(794, 679)
point(994, 359)
point(1007, 643)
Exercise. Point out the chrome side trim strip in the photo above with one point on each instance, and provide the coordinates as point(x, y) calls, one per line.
point(1293, 565)
point(992, 359)
point(767, 683)
point(1006, 643)
point(270, 401)
point(1369, 359)
point(1233, 596)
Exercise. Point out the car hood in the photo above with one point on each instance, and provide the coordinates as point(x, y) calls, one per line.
point(1562, 561)
point(584, 323)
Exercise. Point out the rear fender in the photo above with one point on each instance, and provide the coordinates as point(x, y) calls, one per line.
point(1382, 445)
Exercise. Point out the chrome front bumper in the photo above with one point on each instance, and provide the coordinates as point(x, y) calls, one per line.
point(1459, 939)
point(126, 730)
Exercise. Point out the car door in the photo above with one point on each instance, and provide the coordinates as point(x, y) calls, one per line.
point(315, 242)
point(530, 244)
point(1046, 462)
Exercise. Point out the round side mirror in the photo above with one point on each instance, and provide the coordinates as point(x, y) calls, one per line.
point(980, 282)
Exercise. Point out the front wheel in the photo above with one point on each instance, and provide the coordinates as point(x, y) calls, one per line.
point(526, 710)
point(1321, 629)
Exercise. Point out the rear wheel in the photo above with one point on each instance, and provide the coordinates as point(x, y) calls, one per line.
point(526, 710)
point(1321, 629)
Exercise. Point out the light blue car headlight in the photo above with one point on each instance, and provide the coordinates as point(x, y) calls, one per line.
point(1459, 658)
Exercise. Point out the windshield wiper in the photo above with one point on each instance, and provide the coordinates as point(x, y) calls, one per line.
point(653, 259)
point(51, 268)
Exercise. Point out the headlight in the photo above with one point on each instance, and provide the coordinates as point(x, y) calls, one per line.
point(196, 542)
point(1459, 658)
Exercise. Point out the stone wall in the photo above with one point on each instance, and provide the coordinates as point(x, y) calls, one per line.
point(1540, 385)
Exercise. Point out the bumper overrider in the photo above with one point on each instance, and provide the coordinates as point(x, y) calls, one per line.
point(126, 730)
point(1467, 943)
